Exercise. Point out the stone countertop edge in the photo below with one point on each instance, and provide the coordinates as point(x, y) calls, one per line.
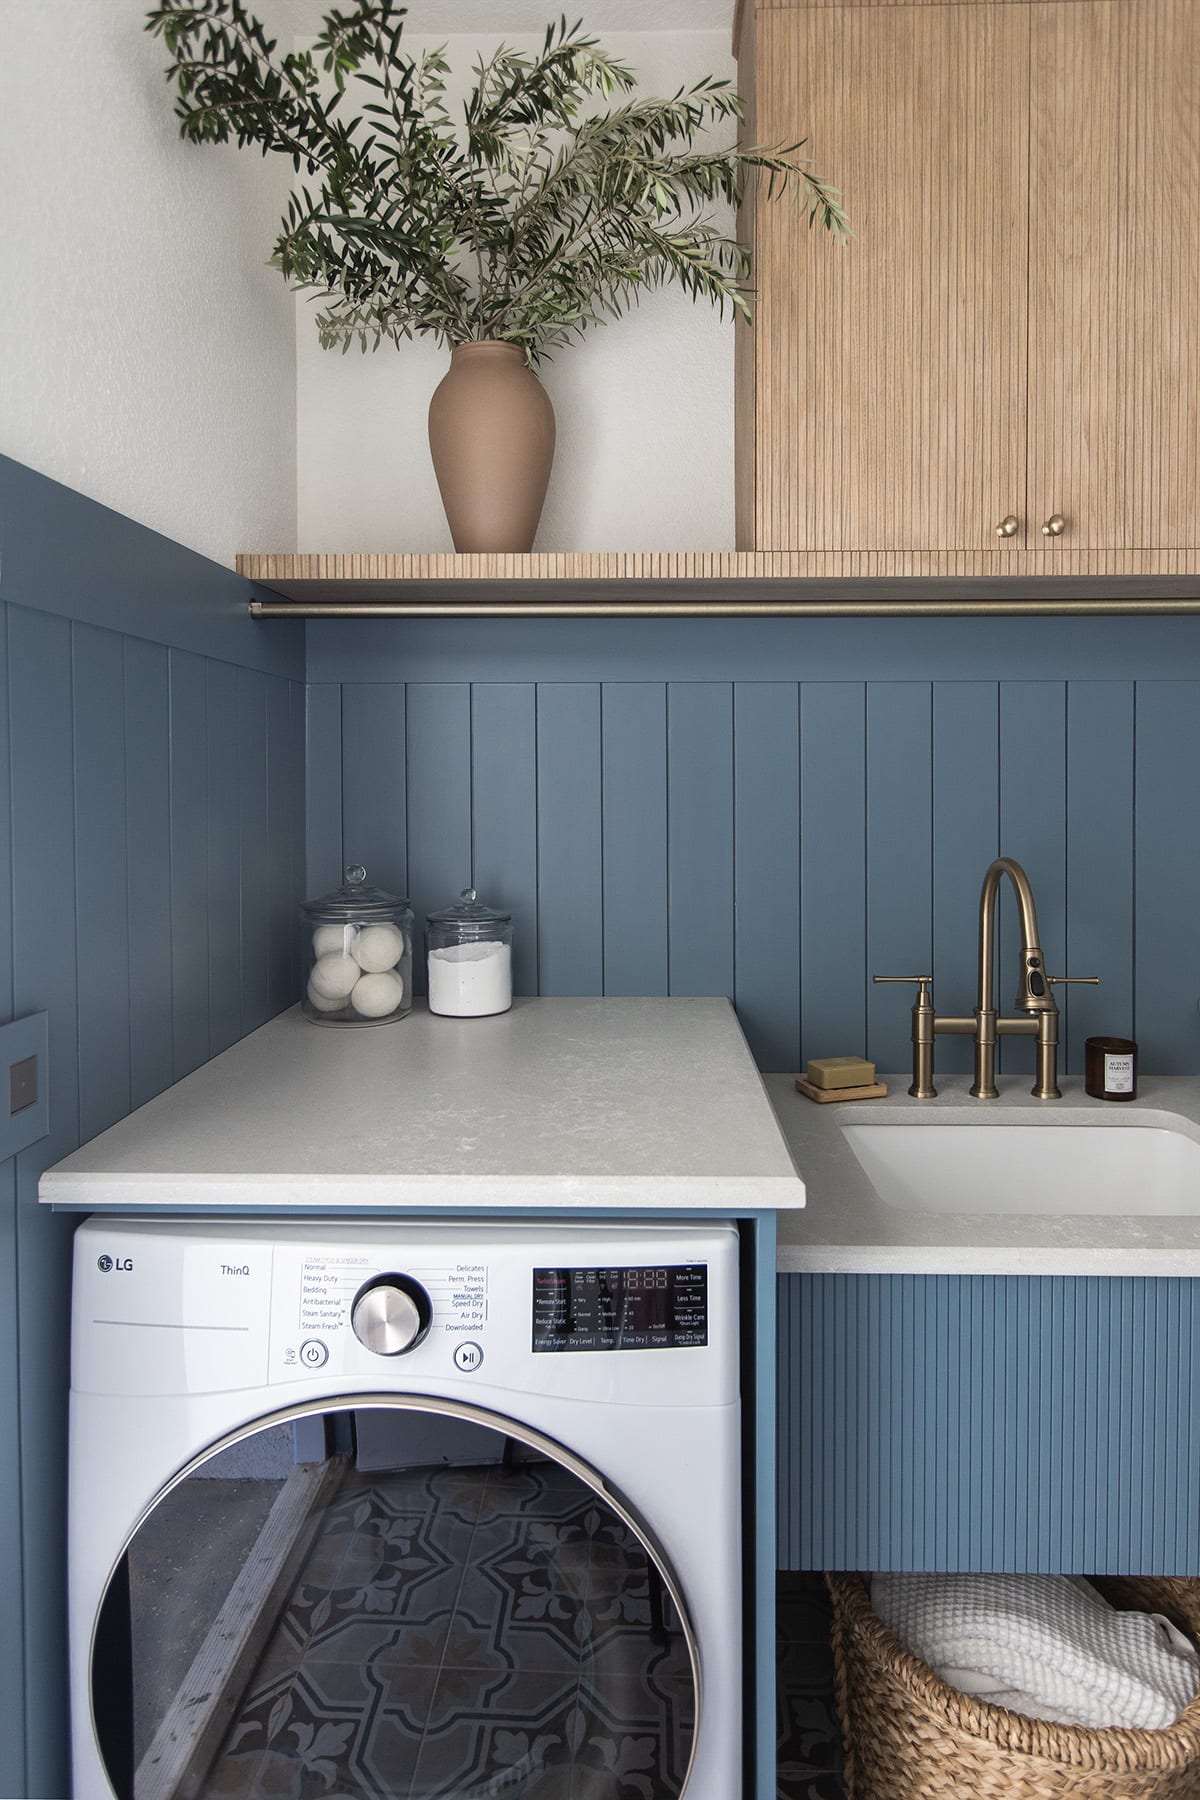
point(847, 1229)
point(570, 1103)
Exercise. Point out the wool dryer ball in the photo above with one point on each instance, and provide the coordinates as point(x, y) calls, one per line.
point(334, 940)
point(334, 975)
point(322, 1002)
point(378, 947)
point(375, 996)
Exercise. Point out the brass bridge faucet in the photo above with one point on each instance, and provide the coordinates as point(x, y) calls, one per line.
point(1034, 1002)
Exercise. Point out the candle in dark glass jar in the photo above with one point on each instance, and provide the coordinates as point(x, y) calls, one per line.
point(1110, 1068)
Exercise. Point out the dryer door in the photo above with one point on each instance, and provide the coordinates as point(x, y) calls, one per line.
point(436, 1601)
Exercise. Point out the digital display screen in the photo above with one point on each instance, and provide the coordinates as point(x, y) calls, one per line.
point(662, 1308)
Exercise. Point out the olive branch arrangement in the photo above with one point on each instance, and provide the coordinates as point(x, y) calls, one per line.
point(528, 223)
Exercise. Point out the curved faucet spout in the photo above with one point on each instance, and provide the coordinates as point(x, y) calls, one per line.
point(1033, 993)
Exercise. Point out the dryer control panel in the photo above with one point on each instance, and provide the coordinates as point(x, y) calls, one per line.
point(322, 1293)
point(203, 1306)
point(664, 1307)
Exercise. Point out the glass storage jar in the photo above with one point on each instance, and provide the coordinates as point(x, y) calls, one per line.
point(357, 955)
point(469, 953)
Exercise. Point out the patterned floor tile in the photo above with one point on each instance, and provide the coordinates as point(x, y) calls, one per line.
point(519, 1740)
point(434, 1642)
point(496, 1634)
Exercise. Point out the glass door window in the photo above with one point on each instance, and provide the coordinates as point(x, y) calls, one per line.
point(426, 1605)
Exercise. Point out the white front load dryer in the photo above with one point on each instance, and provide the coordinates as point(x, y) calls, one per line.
point(441, 1510)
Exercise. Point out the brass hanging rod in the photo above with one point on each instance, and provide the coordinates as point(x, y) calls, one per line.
point(726, 608)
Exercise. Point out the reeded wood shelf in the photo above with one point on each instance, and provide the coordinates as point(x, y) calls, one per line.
point(729, 584)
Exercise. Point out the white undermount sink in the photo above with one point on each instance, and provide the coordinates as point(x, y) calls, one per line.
point(955, 1166)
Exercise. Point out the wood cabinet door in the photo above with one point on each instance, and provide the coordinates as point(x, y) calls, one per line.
point(890, 377)
point(1114, 330)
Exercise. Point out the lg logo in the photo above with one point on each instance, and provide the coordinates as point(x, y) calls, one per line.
point(106, 1263)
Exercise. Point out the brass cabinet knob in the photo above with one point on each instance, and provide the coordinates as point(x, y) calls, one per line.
point(1008, 527)
point(1055, 526)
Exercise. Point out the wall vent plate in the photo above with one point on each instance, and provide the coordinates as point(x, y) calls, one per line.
point(24, 1083)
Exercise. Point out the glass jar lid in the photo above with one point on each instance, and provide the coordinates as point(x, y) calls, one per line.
point(356, 899)
point(468, 914)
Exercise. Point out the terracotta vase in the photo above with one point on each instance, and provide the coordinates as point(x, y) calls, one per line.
point(491, 434)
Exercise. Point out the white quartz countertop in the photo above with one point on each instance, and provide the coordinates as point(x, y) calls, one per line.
point(847, 1228)
point(590, 1103)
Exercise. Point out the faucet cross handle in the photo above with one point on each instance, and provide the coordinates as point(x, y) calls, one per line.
point(924, 985)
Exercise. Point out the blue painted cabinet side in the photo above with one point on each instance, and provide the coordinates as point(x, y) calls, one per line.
point(1025, 1423)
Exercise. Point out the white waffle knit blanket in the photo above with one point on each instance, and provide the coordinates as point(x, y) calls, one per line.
point(1048, 1646)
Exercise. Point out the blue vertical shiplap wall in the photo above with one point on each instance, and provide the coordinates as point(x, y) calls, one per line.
point(777, 810)
point(151, 853)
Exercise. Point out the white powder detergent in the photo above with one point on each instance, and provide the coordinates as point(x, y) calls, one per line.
point(468, 981)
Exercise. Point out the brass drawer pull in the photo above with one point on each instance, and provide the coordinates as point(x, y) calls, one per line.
point(1055, 526)
point(1008, 527)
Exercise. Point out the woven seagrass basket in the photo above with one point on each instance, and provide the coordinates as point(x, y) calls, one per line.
point(908, 1736)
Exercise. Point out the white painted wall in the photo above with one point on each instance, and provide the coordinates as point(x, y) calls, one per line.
point(146, 352)
point(644, 405)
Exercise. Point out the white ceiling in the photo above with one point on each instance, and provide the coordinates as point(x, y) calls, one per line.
point(303, 17)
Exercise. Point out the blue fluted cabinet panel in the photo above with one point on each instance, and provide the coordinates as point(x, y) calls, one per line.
point(1024, 1423)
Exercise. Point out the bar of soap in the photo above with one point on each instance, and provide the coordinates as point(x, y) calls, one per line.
point(840, 1071)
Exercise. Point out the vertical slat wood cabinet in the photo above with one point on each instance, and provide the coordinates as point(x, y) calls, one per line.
point(1014, 334)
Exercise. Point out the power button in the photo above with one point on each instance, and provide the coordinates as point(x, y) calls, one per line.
point(314, 1354)
point(467, 1357)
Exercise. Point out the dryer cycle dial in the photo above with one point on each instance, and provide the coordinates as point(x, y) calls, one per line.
point(390, 1314)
